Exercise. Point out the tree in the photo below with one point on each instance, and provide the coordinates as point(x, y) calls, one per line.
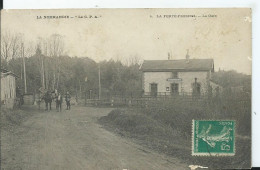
point(56, 48)
point(10, 45)
point(52, 47)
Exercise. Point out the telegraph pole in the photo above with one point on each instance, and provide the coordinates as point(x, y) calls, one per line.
point(24, 69)
point(43, 78)
point(99, 83)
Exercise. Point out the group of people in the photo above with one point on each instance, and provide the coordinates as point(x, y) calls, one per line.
point(58, 98)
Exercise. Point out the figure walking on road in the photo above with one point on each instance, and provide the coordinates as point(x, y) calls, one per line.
point(55, 97)
point(48, 99)
point(67, 99)
point(59, 102)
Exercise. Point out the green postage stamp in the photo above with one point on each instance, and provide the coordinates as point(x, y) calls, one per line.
point(213, 138)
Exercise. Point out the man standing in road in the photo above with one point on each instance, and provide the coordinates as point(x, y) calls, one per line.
point(67, 99)
point(59, 102)
point(48, 99)
point(55, 97)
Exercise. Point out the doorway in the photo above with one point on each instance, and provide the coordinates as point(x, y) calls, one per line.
point(154, 89)
point(196, 88)
point(174, 88)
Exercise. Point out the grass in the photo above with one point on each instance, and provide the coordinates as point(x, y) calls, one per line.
point(166, 127)
point(12, 118)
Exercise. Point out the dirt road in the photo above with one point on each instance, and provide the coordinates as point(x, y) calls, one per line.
point(73, 140)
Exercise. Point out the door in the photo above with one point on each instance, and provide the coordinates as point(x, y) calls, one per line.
point(154, 89)
point(196, 89)
point(175, 88)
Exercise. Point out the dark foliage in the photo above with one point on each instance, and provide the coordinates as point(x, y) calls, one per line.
point(77, 75)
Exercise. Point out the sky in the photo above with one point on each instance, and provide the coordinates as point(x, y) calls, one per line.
point(221, 34)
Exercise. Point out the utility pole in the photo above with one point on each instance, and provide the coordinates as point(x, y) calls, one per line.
point(46, 68)
point(24, 69)
point(99, 83)
point(21, 64)
point(43, 78)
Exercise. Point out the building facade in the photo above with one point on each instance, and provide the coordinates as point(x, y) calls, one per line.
point(177, 77)
point(8, 89)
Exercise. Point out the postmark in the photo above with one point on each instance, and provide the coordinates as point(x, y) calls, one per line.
point(213, 138)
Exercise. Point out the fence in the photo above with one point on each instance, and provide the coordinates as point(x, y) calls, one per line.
point(157, 101)
point(143, 101)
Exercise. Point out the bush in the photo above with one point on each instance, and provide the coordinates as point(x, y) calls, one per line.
point(138, 125)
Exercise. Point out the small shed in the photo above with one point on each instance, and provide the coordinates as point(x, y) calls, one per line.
point(8, 89)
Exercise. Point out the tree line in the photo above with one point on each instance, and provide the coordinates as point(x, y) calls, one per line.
point(48, 67)
point(77, 75)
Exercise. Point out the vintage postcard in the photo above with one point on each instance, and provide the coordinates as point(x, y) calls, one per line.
point(126, 89)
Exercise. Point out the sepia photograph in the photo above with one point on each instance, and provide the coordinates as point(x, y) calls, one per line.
point(126, 89)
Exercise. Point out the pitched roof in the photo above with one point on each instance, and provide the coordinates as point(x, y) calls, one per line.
point(5, 72)
point(183, 64)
